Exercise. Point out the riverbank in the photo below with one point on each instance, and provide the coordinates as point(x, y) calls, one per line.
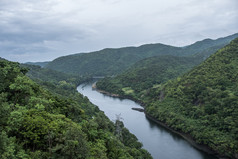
point(187, 137)
point(94, 86)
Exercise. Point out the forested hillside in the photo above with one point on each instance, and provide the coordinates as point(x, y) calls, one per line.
point(50, 79)
point(107, 61)
point(202, 102)
point(147, 73)
point(38, 123)
point(114, 61)
point(44, 74)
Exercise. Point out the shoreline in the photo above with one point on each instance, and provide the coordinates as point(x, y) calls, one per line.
point(94, 87)
point(187, 137)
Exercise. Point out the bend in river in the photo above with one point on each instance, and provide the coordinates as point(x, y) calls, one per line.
point(160, 142)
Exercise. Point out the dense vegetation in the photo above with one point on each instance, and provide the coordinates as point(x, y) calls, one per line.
point(147, 73)
point(38, 123)
point(114, 61)
point(203, 102)
point(44, 74)
point(50, 79)
point(107, 61)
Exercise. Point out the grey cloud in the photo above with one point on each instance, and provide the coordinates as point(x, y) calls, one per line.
point(32, 30)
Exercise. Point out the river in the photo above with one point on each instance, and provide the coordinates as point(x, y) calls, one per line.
point(160, 142)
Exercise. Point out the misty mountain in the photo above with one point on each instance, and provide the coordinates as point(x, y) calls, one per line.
point(114, 61)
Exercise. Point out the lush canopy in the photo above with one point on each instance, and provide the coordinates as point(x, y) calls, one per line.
point(38, 123)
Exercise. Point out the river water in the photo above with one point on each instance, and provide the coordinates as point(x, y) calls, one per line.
point(160, 142)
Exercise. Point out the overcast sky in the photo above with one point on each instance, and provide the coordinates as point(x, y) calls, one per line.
point(41, 30)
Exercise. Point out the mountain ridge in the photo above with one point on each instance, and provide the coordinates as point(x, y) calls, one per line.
point(112, 61)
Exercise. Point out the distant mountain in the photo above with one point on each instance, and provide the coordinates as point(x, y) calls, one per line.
point(114, 61)
point(206, 44)
point(41, 64)
point(108, 61)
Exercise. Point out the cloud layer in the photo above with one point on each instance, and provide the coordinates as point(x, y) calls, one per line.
point(33, 30)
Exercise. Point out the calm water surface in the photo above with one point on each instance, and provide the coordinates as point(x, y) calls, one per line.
point(160, 142)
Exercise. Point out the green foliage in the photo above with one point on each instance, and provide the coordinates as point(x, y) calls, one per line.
point(147, 73)
point(41, 123)
point(202, 102)
point(114, 61)
point(44, 75)
point(209, 94)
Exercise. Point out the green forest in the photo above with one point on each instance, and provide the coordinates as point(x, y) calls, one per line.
point(44, 117)
point(202, 102)
point(147, 73)
point(109, 62)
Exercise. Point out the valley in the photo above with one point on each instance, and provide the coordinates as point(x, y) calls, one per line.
point(191, 90)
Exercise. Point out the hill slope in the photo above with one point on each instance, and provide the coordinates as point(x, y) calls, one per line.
point(36, 72)
point(203, 102)
point(38, 123)
point(114, 61)
point(147, 73)
point(107, 61)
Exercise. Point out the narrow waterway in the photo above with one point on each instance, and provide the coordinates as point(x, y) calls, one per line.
point(160, 142)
